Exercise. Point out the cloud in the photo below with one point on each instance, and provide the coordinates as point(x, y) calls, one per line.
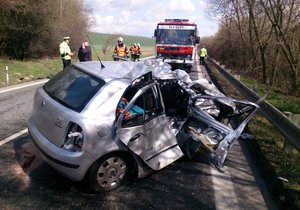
point(182, 5)
point(140, 17)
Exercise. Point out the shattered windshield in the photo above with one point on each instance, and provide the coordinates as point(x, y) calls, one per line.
point(175, 36)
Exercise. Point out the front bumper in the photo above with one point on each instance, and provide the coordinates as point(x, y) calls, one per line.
point(179, 61)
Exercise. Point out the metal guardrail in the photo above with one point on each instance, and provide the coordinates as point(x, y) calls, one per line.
point(281, 122)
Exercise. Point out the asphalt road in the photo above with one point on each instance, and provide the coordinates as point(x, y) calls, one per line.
point(27, 182)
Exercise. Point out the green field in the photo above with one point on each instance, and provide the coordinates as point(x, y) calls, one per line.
point(98, 40)
point(23, 71)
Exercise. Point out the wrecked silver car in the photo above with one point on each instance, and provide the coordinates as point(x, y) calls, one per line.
point(104, 124)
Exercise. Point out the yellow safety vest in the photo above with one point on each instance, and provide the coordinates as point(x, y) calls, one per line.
point(203, 52)
point(121, 51)
point(65, 51)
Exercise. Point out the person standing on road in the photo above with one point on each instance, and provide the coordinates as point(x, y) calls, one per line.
point(85, 52)
point(121, 50)
point(202, 54)
point(65, 52)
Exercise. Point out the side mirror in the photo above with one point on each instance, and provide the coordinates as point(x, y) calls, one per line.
point(197, 39)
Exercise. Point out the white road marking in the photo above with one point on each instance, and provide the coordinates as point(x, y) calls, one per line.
point(8, 139)
point(23, 86)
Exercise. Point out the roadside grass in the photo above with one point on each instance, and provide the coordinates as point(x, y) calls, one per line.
point(279, 169)
point(280, 101)
point(24, 71)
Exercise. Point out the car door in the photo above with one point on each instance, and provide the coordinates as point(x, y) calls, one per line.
point(148, 132)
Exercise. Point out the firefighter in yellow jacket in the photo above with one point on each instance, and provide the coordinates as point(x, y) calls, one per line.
point(65, 52)
point(121, 50)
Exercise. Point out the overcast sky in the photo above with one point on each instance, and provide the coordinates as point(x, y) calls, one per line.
point(139, 17)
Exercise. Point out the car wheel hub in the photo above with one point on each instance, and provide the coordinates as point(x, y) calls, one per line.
point(111, 172)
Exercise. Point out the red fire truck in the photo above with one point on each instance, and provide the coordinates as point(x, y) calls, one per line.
point(176, 42)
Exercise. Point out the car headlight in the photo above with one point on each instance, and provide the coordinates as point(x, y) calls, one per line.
point(74, 139)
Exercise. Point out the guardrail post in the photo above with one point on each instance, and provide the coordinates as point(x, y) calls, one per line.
point(238, 77)
point(287, 147)
point(7, 75)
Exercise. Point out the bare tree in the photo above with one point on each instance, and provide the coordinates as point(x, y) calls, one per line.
point(262, 36)
point(34, 30)
point(110, 42)
point(284, 17)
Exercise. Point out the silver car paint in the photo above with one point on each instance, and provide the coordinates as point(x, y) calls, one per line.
point(102, 131)
point(153, 141)
point(49, 134)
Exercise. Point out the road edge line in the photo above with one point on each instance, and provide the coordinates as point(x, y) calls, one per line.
point(22, 86)
point(12, 137)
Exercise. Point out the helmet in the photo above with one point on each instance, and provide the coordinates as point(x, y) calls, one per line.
point(120, 39)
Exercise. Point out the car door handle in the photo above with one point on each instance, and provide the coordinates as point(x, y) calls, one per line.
point(136, 136)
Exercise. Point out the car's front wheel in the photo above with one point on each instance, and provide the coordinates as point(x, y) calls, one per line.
point(108, 173)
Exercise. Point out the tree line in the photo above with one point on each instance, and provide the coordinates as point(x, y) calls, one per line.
point(259, 38)
point(33, 29)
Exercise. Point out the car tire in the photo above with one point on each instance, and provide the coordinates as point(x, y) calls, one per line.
point(108, 173)
point(188, 69)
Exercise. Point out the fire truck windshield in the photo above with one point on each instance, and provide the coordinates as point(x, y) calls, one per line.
point(175, 36)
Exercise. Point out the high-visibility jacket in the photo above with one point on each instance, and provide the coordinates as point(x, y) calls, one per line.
point(65, 51)
point(203, 52)
point(121, 51)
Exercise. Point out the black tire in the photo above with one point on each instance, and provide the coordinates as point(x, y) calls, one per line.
point(188, 68)
point(108, 173)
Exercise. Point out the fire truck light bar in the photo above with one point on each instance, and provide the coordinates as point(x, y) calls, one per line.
point(176, 20)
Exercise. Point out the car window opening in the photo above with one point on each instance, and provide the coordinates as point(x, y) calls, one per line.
point(73, 88)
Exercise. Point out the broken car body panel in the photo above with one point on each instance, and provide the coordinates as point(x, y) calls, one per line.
point(150, 137)
point(88, 118)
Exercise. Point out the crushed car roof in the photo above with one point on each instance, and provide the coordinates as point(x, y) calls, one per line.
point(126, 70)
point(115, 70)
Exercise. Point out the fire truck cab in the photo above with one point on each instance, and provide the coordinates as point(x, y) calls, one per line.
point(176, 42)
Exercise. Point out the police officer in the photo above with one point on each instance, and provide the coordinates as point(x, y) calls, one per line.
point(65, 52)
point(121, 49)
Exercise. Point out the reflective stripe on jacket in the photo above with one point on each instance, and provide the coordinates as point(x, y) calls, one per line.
point(121, 51)
point(65, 51)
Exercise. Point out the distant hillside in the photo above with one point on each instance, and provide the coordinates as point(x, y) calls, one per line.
point(100, 39)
